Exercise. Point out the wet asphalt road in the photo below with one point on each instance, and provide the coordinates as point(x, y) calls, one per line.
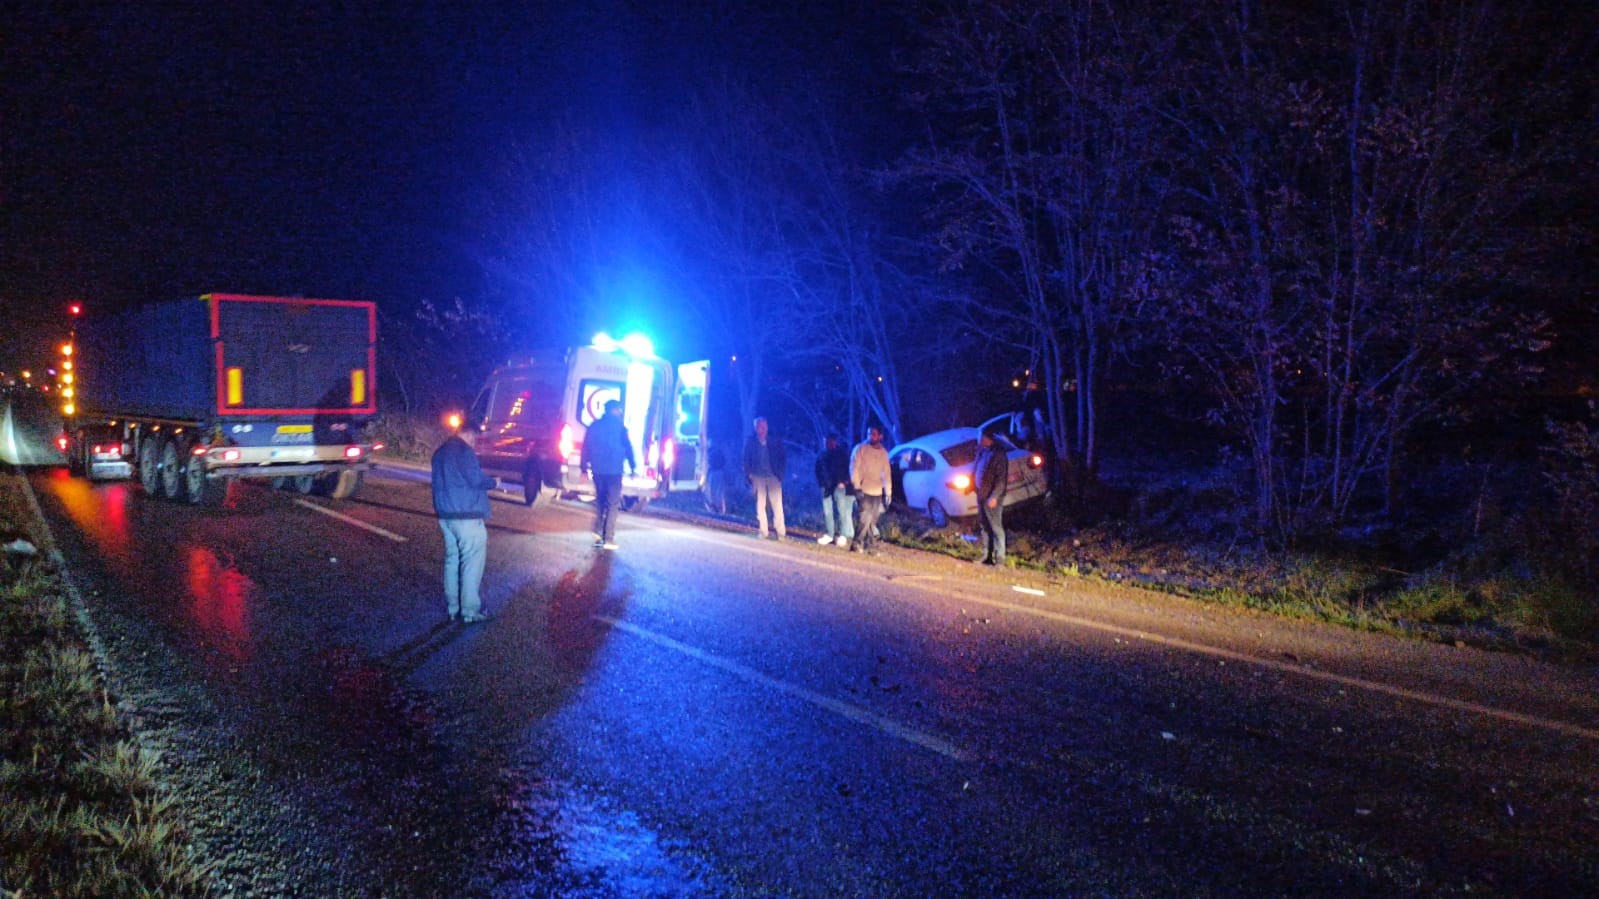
point(701, 713)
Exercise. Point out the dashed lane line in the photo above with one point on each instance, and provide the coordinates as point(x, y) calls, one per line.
point(397, 538)
point(846, 710)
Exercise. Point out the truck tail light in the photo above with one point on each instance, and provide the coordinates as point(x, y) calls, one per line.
point(352, 452)
point(61, 443)
point(200, 449)
point(231, 455)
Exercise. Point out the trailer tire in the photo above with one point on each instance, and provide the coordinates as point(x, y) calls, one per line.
point(198, 489)
point(304, 484)
point(171, 470)
point(150, 464)
point(344, 484)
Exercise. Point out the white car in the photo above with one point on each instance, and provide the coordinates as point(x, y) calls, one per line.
point(933, 474)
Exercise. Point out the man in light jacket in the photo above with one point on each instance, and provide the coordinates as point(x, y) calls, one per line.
point(874, 488)
point(461, 502)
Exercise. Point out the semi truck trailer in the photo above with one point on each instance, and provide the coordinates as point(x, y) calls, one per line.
point(197, 392)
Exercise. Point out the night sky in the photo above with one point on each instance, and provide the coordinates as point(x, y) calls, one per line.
point(150, 152)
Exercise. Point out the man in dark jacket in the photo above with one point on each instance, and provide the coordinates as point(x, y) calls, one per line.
point(990, 474)
point(838, 504)
point(764, 466)
point(461, 501)
point(606, 448)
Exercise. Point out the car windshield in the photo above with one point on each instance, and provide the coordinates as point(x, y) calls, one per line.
point(963, 453)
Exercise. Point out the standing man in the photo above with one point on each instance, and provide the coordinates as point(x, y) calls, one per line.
point(838, 504)
point(874, 484)
point(990, 475)
point(764, 465)
point(606, 448)
point(461, 502)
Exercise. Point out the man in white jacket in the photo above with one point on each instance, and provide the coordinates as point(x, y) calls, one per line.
point(874, 487)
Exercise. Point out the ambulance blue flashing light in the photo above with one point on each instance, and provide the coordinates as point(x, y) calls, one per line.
point(635, 345)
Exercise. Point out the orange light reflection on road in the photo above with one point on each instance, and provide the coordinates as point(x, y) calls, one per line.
point(101, 515)
point(221, 601)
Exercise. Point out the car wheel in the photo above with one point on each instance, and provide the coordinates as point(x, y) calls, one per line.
point(532, 483)
point(936, 511)
point(344, 484)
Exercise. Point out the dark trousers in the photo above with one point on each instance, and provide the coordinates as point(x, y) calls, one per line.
point(871, 509)
point(607, 500)
point(991, 523)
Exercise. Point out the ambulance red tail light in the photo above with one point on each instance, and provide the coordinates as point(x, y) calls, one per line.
point(669, 455)
point(566, 445)
point(61, 443)
point(352, 452)
point(231, 455)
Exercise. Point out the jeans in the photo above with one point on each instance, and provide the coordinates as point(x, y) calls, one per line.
point(871, 510)
point(769, 492)
point(466, 548)
point(991, 524)
point(607, 500)
point(838, 513)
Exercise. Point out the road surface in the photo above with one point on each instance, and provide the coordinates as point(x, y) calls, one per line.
point(703, 713)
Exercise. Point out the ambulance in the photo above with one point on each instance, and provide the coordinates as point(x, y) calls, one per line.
point(536, 411)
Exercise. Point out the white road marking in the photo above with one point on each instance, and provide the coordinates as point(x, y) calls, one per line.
point(1421, 696)
point(397, 538)
point(852, 712)
point(1028, 590)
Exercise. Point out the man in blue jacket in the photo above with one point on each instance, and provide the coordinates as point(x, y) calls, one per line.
point(461, 501)
point(606, 448)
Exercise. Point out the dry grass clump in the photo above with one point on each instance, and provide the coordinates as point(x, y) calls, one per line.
point(81, 813)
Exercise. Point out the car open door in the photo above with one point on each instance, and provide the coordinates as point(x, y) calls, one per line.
point(688, 425)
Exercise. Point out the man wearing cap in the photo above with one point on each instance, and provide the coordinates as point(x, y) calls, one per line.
point(461, 502)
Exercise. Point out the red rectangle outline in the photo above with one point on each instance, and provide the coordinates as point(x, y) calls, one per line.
point(214, 301)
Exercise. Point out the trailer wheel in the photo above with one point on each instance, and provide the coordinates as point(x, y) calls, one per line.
point(199, 489)
point(150, 464)
point(172, 474)
point(345, 484)
point(304, 484)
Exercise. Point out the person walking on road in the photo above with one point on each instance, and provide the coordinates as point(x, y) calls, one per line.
point(990, 475)
point(838, 503)
point(764, 466)
point(461, 502)
point(606, 449)
point(874, 487)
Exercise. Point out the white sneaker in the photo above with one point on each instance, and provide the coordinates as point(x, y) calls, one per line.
point(841, 543)
point(824, 540)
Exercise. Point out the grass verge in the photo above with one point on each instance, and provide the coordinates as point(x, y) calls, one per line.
point(81, 810)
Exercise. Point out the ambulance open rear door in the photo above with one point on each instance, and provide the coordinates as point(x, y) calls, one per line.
point(688, 425)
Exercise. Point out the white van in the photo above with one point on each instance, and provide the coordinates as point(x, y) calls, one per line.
point(536, 411)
